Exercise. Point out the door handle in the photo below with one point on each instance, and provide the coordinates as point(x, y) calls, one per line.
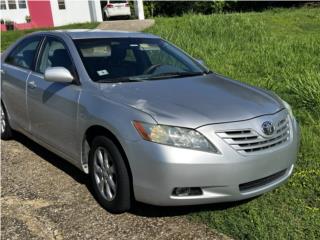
point(32, 85)
point(2, 71)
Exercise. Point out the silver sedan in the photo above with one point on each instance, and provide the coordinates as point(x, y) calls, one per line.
point(145, 120)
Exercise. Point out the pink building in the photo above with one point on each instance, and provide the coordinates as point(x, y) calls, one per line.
point(27, 14)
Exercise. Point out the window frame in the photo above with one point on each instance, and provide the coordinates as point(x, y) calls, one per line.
point(3, 5)
point(17, 46)
point(61, 4)
point(22, 3)
point(10, 3)
point(40, 54)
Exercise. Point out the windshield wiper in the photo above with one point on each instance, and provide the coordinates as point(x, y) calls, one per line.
point(175, 75)
point(148, 77)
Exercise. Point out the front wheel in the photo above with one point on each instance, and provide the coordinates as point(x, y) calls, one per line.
point(6, 132)
point(109, 175)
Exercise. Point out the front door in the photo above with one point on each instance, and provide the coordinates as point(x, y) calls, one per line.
point(53, 106)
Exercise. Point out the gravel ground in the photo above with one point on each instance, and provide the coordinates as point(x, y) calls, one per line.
point(44, 197)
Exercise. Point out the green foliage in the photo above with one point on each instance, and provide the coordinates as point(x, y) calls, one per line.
point(9, 37)
point(149, 9)
point(277, 50)
point(178, 8)
point(172, 8)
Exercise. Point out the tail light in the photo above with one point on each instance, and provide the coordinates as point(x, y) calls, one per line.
point(109, 6)
point(127, 5)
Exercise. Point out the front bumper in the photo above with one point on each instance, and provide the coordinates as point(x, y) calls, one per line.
point(158, 169)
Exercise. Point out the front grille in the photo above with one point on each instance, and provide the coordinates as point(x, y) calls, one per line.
point(261, 182)
point(250, 141)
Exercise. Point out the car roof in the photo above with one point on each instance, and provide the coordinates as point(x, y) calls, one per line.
point(96, 33)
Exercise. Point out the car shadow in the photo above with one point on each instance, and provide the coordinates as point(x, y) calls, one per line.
point(146, 210)
point(52, 158)
point(138, 209)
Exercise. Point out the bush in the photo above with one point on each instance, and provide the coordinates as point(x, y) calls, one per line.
point(178, 8)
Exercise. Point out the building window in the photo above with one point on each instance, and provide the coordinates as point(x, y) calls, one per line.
point(3, 4)
point(12, 4)
point(22, 4)
point(61, 4)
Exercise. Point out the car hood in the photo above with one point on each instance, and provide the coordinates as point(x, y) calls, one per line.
point(194, 101)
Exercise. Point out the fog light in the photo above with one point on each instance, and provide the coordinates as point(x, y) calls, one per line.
point(187, 191)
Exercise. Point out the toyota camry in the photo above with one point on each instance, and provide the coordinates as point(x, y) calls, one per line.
point(145, 120)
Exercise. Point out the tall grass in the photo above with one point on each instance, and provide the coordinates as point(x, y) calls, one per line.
point(278, 50)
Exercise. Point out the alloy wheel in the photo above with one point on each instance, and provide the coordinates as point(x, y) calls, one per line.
point(3, 121)
point(105, 173)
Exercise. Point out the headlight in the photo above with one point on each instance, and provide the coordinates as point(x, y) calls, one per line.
point(174, 136)
point(288, 107)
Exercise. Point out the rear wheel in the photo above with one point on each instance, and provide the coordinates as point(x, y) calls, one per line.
point(109, 175)
point(6, 132)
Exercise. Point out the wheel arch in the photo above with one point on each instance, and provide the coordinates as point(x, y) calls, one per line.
point(98, 130)
point(90, 134)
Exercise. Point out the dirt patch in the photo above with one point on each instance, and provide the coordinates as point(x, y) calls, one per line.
point(44, 197)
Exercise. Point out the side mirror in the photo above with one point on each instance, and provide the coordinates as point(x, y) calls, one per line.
point(58, 74)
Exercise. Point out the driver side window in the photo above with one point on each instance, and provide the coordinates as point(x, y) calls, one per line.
point(54, 54)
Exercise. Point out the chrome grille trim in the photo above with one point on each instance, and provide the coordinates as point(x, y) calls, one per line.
point(250, 141)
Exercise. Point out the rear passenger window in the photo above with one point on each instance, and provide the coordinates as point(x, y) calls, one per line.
point(23, 55)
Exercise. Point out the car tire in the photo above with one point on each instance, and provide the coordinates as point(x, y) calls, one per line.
point(109, 175)
point(6, 132)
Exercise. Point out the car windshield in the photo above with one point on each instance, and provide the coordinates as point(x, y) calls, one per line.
point(135, 59)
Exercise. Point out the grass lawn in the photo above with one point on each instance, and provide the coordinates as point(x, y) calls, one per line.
point(277, 50)
point(11, 36)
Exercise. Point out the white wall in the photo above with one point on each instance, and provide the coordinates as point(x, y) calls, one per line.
point(76, 11)
point(16, 15)
point(98, 11)
point(138, 7)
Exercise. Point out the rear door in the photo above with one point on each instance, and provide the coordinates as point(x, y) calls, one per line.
point(14, 74)
point(53, 106)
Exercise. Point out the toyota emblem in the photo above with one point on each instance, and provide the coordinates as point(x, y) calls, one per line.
point(267, 128)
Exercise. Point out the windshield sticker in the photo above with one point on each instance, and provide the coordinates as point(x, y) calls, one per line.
point(102, 72)
point(149, 47)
